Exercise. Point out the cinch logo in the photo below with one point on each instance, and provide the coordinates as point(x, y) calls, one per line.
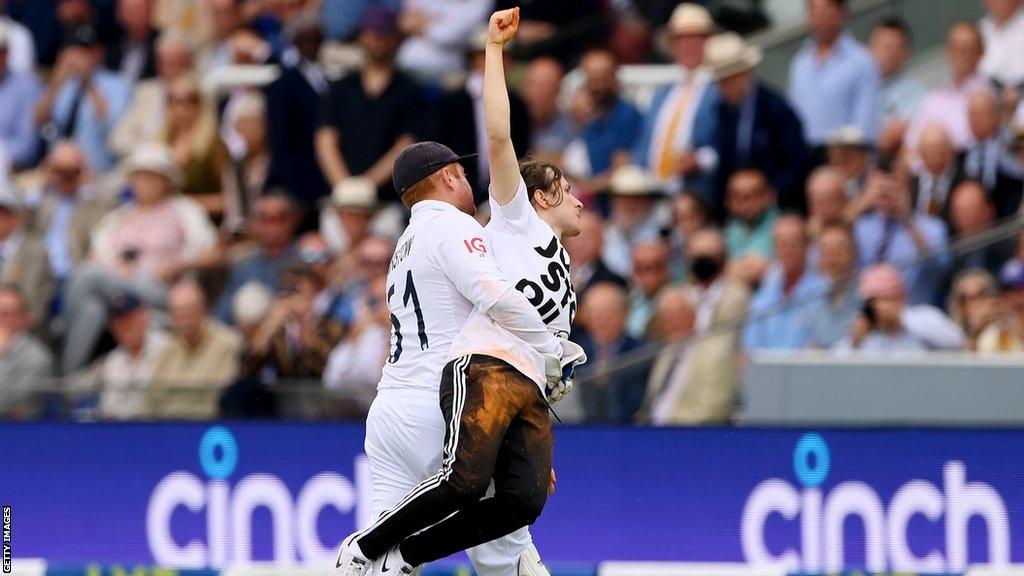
point(886, 537)
point(229, 510)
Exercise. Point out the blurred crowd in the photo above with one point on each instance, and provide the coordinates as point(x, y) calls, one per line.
point(196, 209)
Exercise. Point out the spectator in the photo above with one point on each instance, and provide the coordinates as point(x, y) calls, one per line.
point(460, 118)
point(293, 102)
point(226, 18)
point(780, 317)
point(551, 129)
point(849, 152)
point(887, 325)
point(133, 55)
point(632, 218)
point(1007, 333)
point(20, 46)
point(244, 180)
point(1003, 31)
point(19, 92)
point(748, 229)
point(679, 129)
point(689, 214)
point(891, 232)
point(272, 226)
point(947, 105)
point(351, 214)
point(293, 342)
point(370, 115)
point(833, 81)
point(139, 248)
point(83, 101)
point(24, 361)
point(68, 208)
point(610, 135)
point(200, 359)
point(122, 375)
point(362, 264)
point(692, 382)
point(972, 212)
point(987, 159)
point(197, 150)
point(23, 261)
point(832, 312)
point(889, 44)
point(588, 266)
point(610, 395)
point(436, 32)
point(355, 364)
point(146, 115)
point(826, 200)
point(650, 276)
point(937, 175)
point(722, 301)
point(974, 305)
point(341, 18)
point(757, 128)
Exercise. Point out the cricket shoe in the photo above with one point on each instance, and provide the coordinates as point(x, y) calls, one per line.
point(351, 561)
point(391, 564)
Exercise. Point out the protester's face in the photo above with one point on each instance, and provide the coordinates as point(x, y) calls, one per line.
point(566, 215)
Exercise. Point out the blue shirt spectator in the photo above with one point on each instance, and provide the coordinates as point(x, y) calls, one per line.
point(19, 92)
point(840, 89)
point(89, 129)
point(609, 134)
point(780, 317)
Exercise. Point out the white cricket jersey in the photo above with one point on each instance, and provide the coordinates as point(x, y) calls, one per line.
point(534, 261)
point(441, 271)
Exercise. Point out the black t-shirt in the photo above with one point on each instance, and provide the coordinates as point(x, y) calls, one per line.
point(368, 127)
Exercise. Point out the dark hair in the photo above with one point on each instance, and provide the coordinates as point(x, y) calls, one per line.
point(541, 175)
point(898, 24)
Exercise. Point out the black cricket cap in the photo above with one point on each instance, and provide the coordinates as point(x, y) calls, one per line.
point(421, 160)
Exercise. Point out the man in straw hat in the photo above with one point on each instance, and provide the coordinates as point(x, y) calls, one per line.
point(757, 128)
point(676, 142)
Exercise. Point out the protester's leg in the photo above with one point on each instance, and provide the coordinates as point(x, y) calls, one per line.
point(521, 475)
point(473, 436)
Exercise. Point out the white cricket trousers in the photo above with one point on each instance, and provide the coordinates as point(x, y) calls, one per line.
point(404, 438)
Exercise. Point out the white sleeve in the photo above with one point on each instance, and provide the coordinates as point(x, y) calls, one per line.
point(517, 216)
point(933, 328)
point(465, 258)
